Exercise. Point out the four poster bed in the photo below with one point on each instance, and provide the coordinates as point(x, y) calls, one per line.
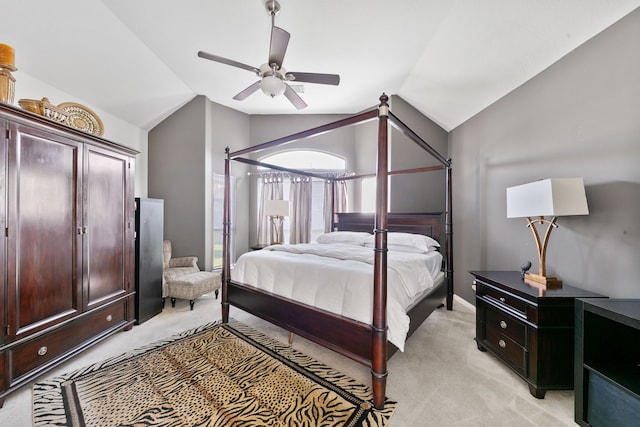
point(365, 341)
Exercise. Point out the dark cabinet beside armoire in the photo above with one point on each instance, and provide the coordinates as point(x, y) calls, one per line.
point(149, 237)
point(67, 257)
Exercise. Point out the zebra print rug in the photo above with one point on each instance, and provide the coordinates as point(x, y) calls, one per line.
point(214, 375)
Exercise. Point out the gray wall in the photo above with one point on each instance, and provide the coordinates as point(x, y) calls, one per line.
point(185, 150)
point(418, 192)
point(177, 174)
point(231, 128)
point(579, 118)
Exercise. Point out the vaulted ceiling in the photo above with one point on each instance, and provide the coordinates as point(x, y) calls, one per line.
point(137, 59)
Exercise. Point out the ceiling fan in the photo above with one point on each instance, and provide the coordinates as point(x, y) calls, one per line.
point(273, 76)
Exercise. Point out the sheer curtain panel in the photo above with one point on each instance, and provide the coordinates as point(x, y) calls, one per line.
point(300, 193)
point(339, 192)
point(271, 188)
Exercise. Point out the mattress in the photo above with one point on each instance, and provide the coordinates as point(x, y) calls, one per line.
point(339, 278)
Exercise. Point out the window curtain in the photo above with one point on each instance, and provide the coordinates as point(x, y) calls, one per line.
point(271, 188)
point(339, 200)
point(300, 195)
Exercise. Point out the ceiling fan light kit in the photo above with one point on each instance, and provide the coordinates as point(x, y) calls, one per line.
point(272, 86)
point(273, 76)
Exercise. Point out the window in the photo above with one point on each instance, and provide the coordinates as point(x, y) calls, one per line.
point(218, 216)
point(368, 195)
point(306, 160)
point(309, 161)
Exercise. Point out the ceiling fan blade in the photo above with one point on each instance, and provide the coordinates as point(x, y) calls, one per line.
point(323, 79)
point(226, 61)
point(248, 91)
point(278, 46)
point(294, 98)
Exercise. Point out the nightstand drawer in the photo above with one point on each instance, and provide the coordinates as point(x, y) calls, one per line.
point(507, 349)
point(509, 301)
point(507, 325)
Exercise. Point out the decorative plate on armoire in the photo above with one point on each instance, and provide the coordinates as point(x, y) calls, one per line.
point(82, 118)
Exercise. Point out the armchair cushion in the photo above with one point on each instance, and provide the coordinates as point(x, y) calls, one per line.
point(173, 268)
point(185, 261)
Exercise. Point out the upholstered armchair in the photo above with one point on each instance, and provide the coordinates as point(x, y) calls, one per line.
point(173, 268)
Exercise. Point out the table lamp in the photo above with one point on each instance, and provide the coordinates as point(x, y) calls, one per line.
point(276, 210)
point(538, 200)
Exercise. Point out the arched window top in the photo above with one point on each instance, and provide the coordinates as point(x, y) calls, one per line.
point(306, 160)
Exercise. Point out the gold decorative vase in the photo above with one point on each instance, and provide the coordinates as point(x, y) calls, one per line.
point(7, 82)
point(7, 86)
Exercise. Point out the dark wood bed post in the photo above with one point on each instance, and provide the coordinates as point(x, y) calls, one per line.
point(446, 164)
point(333, 205)
point(379, 327)
point(448, 232)
point(226, 238)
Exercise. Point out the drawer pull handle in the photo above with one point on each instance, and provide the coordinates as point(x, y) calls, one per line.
point(42, 350)
point(503, 324)
point(502, 299)
point(502, 344)
point(109, 318)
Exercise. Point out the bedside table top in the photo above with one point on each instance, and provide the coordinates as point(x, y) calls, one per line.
point(513, 281)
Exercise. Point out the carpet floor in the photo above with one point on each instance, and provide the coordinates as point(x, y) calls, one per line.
point(214, 375)
point(441, 379)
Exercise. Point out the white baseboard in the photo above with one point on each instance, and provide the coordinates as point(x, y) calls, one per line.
point(463, 302)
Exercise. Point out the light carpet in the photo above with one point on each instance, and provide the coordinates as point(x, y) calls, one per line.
point(214, 375)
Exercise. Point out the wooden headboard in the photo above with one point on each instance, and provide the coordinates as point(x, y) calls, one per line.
point(429, 224)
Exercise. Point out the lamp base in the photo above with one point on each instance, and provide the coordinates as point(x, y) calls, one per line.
point(547, 281)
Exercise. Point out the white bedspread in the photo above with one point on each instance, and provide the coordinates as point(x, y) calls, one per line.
point(339, 278)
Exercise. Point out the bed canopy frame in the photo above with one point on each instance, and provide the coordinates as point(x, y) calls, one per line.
point(364, 343)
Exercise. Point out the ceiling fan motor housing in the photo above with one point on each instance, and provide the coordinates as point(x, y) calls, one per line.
point(273, 7)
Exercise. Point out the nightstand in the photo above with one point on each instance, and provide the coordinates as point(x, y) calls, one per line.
point(529, 329)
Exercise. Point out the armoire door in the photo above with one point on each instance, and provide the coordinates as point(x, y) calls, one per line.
point(107, 226)
point(4, 130)
point(43, 234)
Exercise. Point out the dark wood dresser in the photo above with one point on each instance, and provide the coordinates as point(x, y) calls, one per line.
point(607, 362)
point(531, 330)
point(67, 257)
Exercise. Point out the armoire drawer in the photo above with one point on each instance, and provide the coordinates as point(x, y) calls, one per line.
point(506, 325)
point(48, 347)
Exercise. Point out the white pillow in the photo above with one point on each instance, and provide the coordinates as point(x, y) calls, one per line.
point(419, 241)
point(352, 237)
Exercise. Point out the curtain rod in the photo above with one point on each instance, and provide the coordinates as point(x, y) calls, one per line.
point(352, 175)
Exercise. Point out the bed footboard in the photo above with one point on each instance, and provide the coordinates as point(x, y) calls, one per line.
point(342, 335)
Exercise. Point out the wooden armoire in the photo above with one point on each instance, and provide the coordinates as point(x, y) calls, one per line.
point(67, 257)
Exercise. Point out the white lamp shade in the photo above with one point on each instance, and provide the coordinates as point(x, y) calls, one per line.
point(547, 197)
point(272, 86)
point(276, 208)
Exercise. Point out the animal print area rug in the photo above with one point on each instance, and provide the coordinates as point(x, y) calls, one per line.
point(214, 375)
